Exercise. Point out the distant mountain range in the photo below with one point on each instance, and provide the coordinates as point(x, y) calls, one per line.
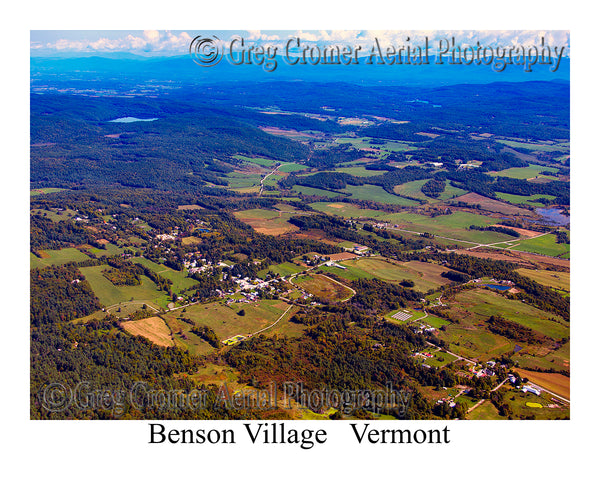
point(181, 69)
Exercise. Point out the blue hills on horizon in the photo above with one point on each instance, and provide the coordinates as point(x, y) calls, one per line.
point(182, 69)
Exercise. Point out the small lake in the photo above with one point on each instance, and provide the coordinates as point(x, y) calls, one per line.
point(498, 287)
point(132, 119)
point(552, 216)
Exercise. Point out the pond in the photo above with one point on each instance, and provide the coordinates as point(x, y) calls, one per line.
point(552, 216)
point(132, 119)
point(498, 287)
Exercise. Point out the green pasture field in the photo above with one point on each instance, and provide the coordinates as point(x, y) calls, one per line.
point(479, 304)
point(544, 245)
point(413, 189)
point(346, 210)
point(272, 181)
point(242, 180)
point(283, 269)
point(536, 146)
point(523, 173)
point(357, 142)
point(558, 280)
point(376, 193)
point(257, 213)
point(360, 171)
point(292, 167)
point(455, 225)
point(55, 216)
point(269, 222)
point(435, 322)
point(42, 191)
point(324, 287)
point(110, 251)
point(110, 294)
point(559, 359)
point(466, 400)
point(316, 191)
point(524, 199)
point(470, 342)
point(180, 279)
point(517, 400)
point(264, 162)
point(56, 257)
point(350, 273)
point(485, 411)
point(225, 321)
point(424, 275)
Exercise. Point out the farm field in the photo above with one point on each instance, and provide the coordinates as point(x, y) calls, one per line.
point(554, 382)
point(110, 250)
point(43, 191)
point(455, 225)
point(524, 199)
point(480, 304)
point(524, 173)
point(315, 191)
point(153, 328)
point(180, 279)
point(424, 275)
point(346, 210)
point(323, 287)
point(413, 189)
point(56, 257)
point(225, 320)
point(536, 146)
point(375, 193)
point(518, 400)
point(492, 205)
point(475, 343)
point(544, 245)
point(263, 162)
point(360, 171)
point(282, 269)
point(55, 215)
point(292, 167)
point(110, 294)
point(237, 180)
point(435, 322)
point(485, 411)
point(269, 222)
point(558, 280)
point(350, 273)
point(556, 359)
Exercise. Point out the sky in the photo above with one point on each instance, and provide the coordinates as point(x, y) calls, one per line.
point(177, 42)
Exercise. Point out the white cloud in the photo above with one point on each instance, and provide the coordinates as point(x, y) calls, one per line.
point(165, 42)
point(258, 35)
point(149, 41)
